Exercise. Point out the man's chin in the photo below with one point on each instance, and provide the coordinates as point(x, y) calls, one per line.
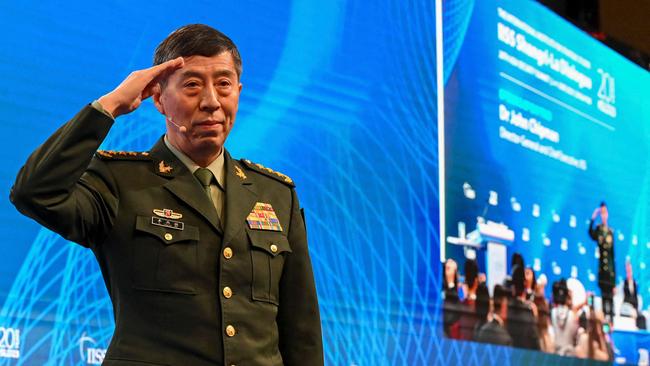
point(209, 145)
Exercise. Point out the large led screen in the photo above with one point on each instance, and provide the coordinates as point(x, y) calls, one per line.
point(543, 125)
point(343, 97)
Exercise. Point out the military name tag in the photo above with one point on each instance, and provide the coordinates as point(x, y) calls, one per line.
point(263, 217)
point(172, 224)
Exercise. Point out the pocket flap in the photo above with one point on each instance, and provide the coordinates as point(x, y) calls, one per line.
point(271, 242)
point(165, 234)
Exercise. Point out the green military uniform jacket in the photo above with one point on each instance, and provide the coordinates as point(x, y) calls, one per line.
point(604, 236)
point(184, 291)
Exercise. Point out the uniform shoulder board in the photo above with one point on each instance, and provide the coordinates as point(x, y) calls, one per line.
point(122, 155)
point(268, 172)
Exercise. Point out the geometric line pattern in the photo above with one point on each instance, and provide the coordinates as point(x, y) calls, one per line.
point(354, 96)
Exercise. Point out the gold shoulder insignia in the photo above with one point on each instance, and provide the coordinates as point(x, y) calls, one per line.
point(239, 172)
point(269, 172)
point(164, 168)
point(122, 155)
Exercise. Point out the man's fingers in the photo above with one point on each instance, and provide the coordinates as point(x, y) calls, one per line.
point(149, 89)
point(158, 72)
point(138, 86)
point(170, 65)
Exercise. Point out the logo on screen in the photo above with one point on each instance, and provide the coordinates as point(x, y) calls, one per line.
point(89, 352)
point(607, 94)
point(9, 342)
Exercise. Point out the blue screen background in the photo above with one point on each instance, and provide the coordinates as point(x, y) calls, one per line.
point(339, 95)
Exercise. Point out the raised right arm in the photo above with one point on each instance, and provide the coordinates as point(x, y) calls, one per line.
point(56, 188)
point(61, 186)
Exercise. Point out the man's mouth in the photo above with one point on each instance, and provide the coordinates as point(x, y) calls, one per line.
point(209, 125)
point(209, 122)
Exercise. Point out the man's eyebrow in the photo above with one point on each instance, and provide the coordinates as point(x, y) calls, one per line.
point(191, 73)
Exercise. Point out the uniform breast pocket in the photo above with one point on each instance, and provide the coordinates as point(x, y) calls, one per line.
point(269, 250)
point(164, 259)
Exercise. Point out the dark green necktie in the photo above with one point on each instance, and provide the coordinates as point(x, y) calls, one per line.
point(205, 176)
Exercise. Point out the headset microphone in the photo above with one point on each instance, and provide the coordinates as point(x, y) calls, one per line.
point(182, 129)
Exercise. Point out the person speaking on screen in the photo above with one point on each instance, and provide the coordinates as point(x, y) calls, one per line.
point(603, 234)
point(205, 257)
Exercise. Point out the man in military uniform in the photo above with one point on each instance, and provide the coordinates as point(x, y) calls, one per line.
point(604, 236)
point(205, 257)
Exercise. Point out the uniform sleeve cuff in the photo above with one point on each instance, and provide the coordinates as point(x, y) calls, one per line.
point(95, 104)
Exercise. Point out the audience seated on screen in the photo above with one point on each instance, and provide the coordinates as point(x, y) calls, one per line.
point(546, 333)
point(516, 260)
point(593, 342)
point(529, 283)
point(494, 330)
point(631, 297)
point(482, 306)
point(522, 324)
point(519, 314)
point(451, 303)
point(564, 320)
point(540, 286)
point(468, 316)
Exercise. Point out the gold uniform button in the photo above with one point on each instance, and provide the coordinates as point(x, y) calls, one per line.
point(227, 253)
point(227, 292)
point(168, 236)
point(274, 248)
point(230, 331)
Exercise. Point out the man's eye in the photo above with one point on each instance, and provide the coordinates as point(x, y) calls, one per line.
point(224, 84)
point(191, 84)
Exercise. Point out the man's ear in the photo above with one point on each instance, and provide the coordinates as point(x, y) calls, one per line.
point(157, 98)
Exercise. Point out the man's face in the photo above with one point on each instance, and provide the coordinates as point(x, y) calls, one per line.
point(202, 96)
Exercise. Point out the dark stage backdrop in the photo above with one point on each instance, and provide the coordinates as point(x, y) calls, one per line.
point(340, 95)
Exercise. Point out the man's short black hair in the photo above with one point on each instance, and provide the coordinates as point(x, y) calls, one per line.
point(560, 292)
point(516, 260)
point(471, 272)
point(482, 302)
point(518, 280)
point(196, 40)
point(500, 295)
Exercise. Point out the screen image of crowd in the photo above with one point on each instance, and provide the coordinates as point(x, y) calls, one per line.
point(518, 313)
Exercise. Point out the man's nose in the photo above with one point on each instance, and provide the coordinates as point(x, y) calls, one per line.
point(210, 99)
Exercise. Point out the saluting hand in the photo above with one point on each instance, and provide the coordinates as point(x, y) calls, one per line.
point(596, 213)
point(137, 87)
